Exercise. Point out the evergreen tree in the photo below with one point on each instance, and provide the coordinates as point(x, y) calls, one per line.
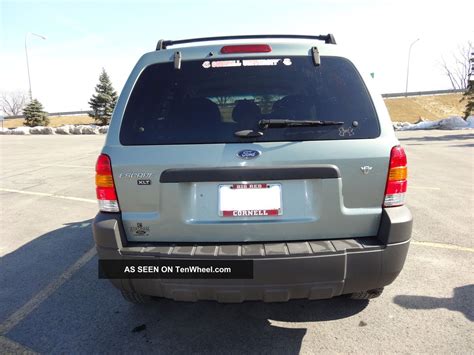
point(103, 101)
point(34, 114)
point(469, 94)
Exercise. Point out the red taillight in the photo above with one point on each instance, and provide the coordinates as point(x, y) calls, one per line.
point(397, 178)
point(103, 166)
point(105, 187)
point(246, 48)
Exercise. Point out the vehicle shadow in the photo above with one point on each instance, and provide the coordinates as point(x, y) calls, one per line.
point(462, 301)
point(89, 315)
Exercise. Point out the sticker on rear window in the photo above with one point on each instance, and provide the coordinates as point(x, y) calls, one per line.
point(346, 131)
point(244, 62)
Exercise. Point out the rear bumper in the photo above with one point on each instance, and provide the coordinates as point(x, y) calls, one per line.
point(282, 271)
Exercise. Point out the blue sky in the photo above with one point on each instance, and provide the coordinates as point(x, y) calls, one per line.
point(84, 36)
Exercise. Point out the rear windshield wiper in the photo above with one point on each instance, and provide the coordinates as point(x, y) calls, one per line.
point(275, 123)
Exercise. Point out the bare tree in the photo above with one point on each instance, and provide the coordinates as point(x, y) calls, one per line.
point(13, 102)
point(459, 68)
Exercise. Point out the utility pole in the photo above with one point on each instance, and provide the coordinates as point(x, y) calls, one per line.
point(27, 61)
point(408, 65)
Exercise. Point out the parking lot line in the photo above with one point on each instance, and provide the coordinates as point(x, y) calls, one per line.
point(425, 188)
point(443, 246)
point(68, 166)
point(42, 295)
point(48, 195)
point(11, 347)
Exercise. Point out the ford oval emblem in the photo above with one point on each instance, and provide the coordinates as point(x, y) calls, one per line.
point(248, 154)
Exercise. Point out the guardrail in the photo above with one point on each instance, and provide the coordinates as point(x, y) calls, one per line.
point(422, 93)
point(63, 113)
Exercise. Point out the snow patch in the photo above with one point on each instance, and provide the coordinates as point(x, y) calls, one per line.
point(20, 130)
point(85, 129)
point(453, 122)
point(103, 129)
point(66, 129)
point(41, 130)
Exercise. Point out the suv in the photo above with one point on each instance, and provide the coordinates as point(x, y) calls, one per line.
point(269, 149)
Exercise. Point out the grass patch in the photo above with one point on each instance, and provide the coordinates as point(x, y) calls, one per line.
point(433, 107)
point(54, 121)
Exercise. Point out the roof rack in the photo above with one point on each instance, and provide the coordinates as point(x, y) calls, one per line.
point(163, 44)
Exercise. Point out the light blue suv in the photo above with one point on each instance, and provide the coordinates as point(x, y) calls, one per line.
point(269, 158)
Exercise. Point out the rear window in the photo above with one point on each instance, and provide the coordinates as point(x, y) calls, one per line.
point(207, 101)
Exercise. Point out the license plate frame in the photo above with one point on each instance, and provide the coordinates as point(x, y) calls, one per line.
point(250, 200)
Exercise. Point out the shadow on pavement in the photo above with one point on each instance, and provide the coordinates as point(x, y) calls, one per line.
point(88, 315)
point(447, 137)
point(465, 145)
point(462, 301)
point(30, 268)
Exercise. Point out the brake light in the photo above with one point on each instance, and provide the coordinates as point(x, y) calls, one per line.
point(246, 48)
point(105, 188)
point(396, 187)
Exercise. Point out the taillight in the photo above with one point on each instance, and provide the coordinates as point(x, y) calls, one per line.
point(246, 48)
point(105, 188)
point(397, 178)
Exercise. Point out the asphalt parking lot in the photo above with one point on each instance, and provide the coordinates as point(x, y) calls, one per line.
point(52, 302)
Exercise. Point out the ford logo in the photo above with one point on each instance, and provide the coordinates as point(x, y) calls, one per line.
point(248, 154)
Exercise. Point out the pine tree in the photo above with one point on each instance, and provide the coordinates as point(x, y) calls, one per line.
point(34, 114)
point(103, 101)
point(469, 94)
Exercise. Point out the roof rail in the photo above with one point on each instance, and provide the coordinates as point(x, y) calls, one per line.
point(163, 44)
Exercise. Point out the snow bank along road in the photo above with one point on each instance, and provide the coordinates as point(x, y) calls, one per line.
point(52, 301)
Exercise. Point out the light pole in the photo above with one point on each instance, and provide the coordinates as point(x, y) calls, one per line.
point(408, 65)
point(27, 63)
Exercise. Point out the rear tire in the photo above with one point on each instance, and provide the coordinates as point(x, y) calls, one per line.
point(135, 298)
point(367, 295)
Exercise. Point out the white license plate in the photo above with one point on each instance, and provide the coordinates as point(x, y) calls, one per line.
point(250, 200)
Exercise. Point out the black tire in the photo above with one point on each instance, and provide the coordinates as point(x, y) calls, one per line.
point(367, 295)
point(135, 298)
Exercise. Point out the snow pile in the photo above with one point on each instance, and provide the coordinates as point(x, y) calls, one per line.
point(85, 129)
point(453, 122)
point(20, 130)
point(103, 129)
point(41, 130)
point(470, 121)
point(66, 129)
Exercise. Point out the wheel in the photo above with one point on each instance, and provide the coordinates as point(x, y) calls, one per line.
point(367, 295)
point(134, 297)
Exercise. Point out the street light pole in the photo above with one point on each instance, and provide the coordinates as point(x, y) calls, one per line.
point(408, 65)
point(27, 62)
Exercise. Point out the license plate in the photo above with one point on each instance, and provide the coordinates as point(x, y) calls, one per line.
point(250, 200)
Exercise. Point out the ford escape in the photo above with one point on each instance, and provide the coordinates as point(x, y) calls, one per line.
point(272, 149)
